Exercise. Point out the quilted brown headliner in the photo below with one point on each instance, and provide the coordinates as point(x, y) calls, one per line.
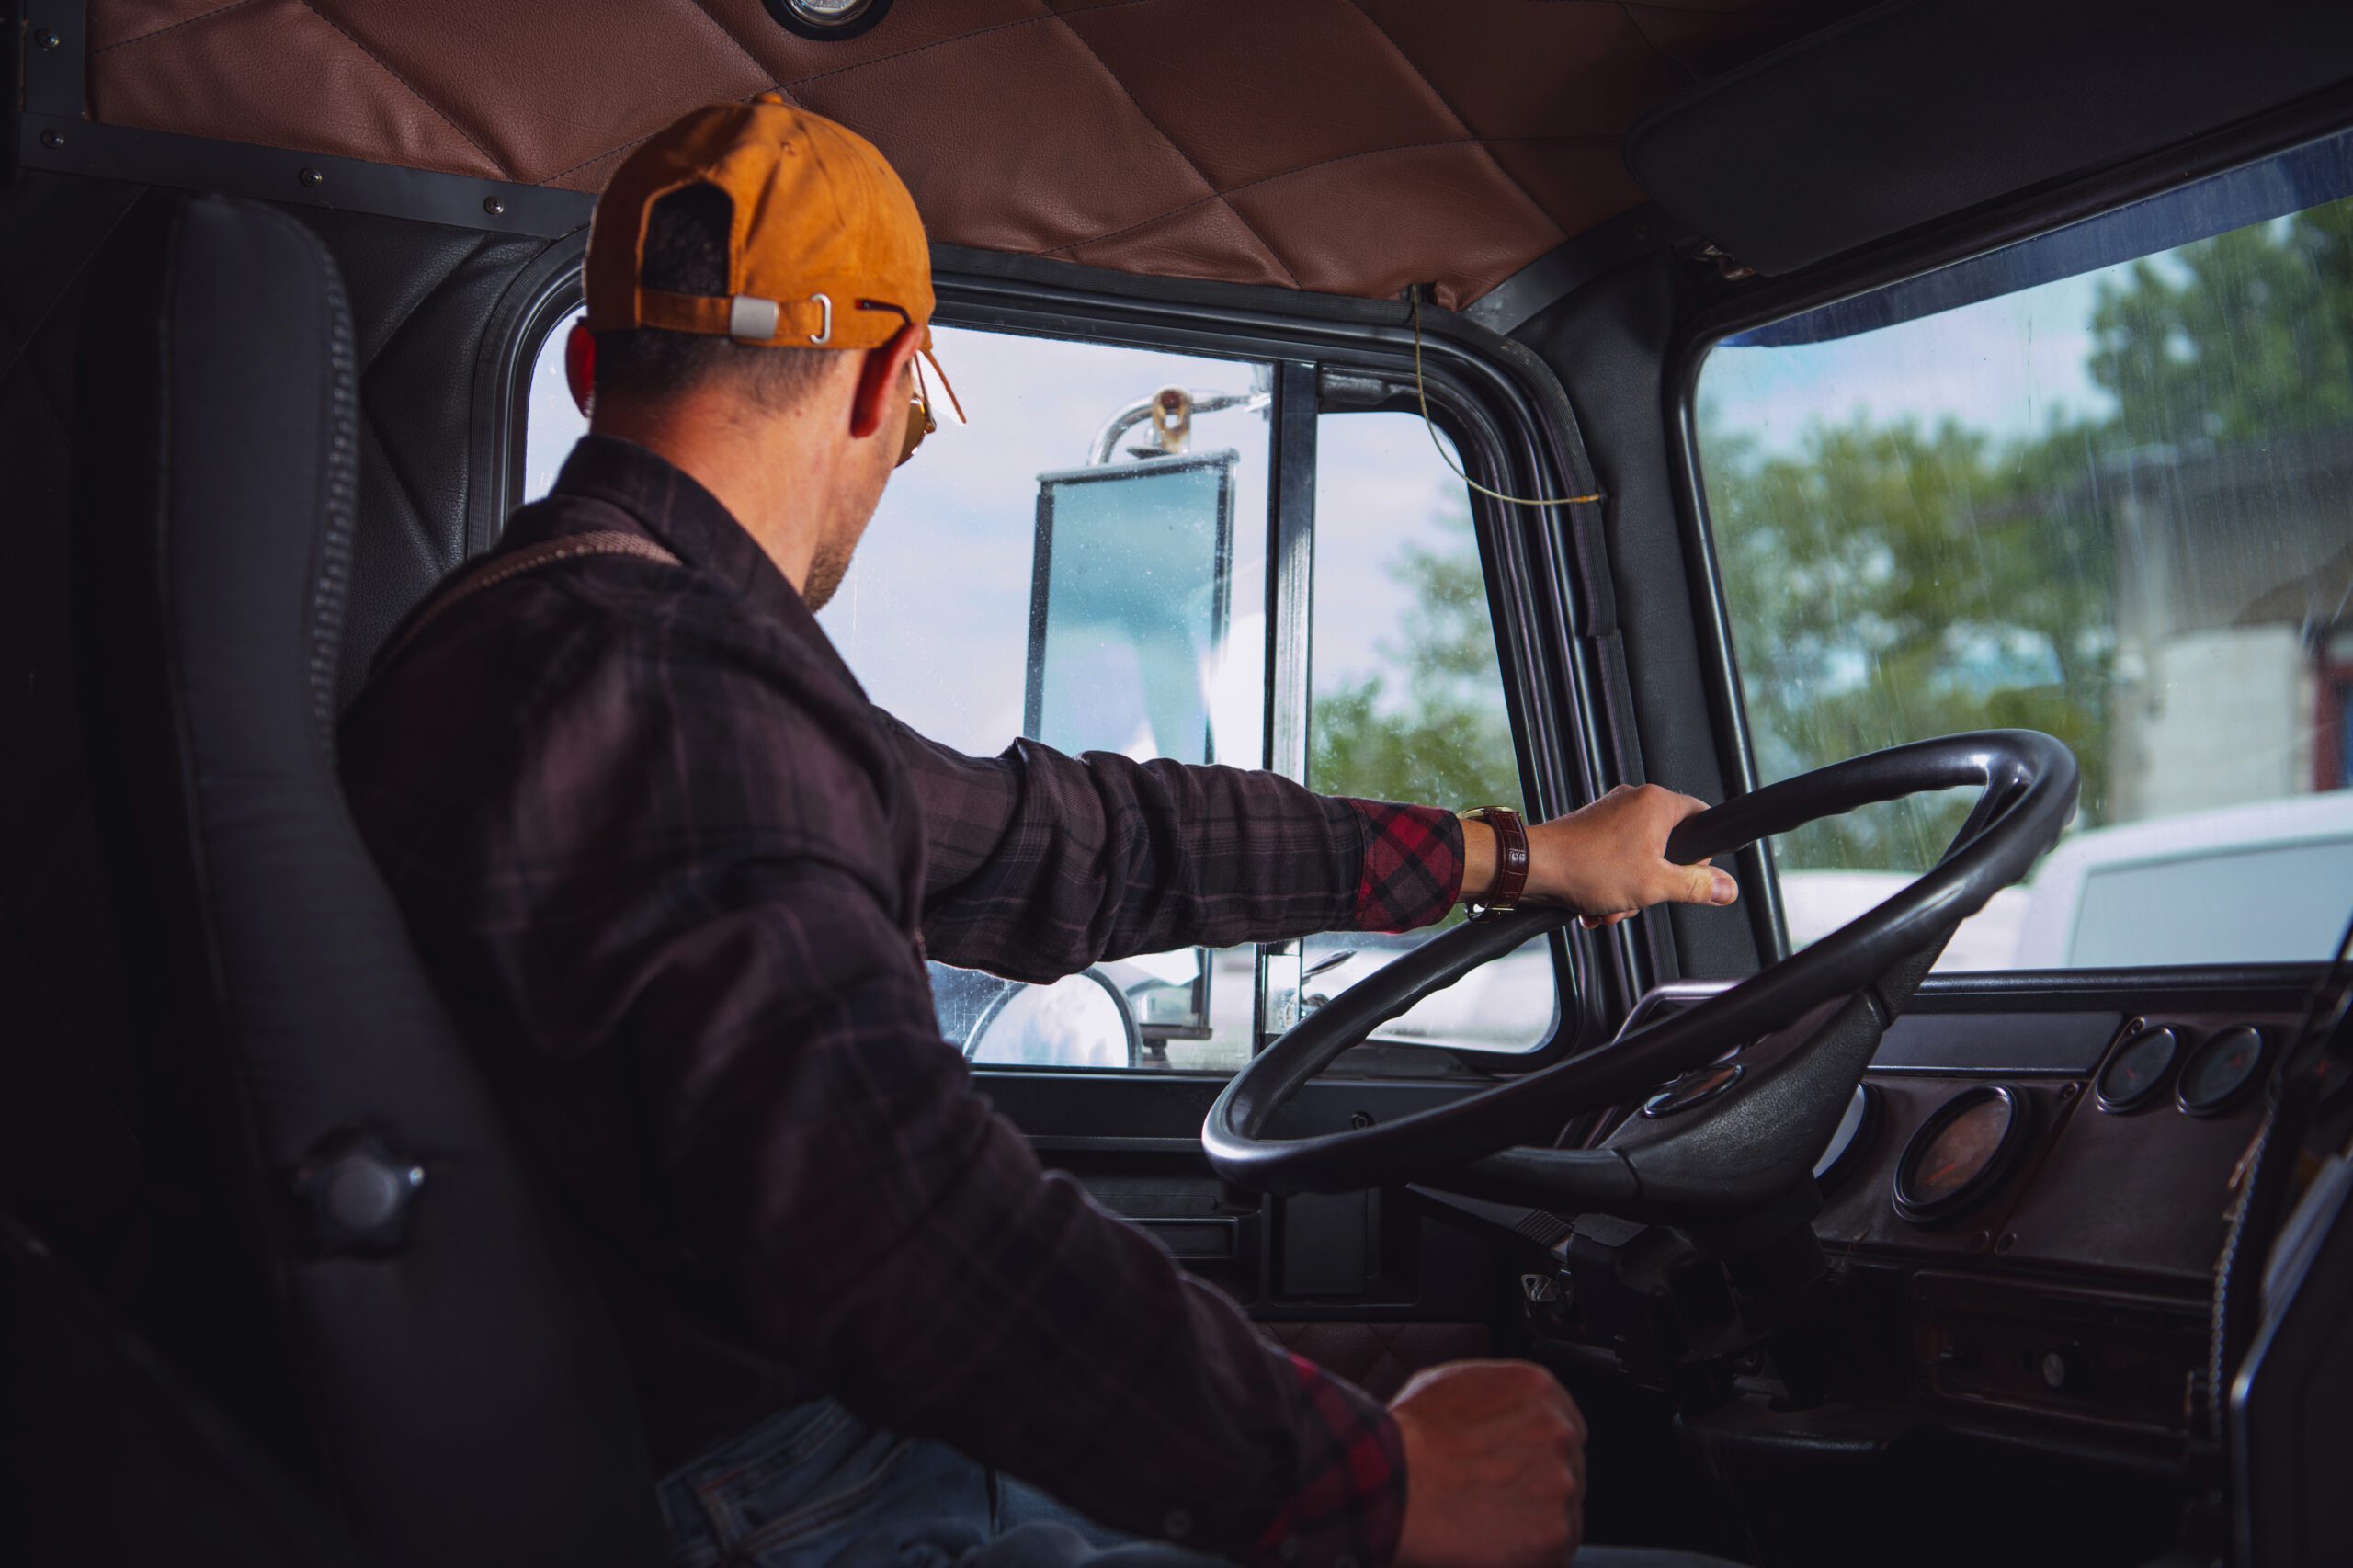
point(1351, 146)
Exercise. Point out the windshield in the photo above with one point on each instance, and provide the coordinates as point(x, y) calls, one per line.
point(2099, 485)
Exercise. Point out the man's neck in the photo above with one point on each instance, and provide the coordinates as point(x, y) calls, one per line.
point(771, 471)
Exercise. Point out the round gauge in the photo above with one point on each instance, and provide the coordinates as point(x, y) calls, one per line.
point(2221, 1071)
point(1839, 1158)
point(1696, 1087)
point(2136, 1069)
point(1960, 1153)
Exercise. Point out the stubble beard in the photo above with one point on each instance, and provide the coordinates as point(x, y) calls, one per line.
point(830, 563)
point(827, 570)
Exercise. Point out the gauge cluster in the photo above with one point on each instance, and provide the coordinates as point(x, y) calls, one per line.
point(1961, 1146)
point(2085, 1190)
point(2215, 1072)
point(2022, 1205)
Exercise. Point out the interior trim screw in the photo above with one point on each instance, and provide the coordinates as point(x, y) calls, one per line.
point(53, 140)
point(311, 178)
point(48, 39)
point(495, 206)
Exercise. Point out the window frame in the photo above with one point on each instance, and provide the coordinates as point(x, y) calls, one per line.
point(1940, 245)
point(549, 292)
point(1497, 415)
point(1513, 430)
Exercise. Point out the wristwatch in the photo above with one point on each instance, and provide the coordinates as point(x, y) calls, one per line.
point(1511, 859)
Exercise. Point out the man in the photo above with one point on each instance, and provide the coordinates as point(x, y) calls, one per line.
point(677, 880)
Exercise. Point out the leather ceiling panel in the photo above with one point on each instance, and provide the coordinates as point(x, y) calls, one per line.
point(1350, 146)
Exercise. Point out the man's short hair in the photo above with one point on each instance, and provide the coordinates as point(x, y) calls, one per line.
point(686, 253)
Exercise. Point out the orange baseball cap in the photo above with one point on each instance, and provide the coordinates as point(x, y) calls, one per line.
point(827, 250)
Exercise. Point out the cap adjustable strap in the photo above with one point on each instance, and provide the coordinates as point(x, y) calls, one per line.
point(746, 318)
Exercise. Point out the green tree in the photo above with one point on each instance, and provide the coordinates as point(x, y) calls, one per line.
point(2239, 338)
point(1890, 581)
point(1440, 733)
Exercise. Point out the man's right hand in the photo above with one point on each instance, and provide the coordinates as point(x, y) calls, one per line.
point(1495, 1468)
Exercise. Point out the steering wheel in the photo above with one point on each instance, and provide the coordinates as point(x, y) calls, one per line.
point(1747, 1132)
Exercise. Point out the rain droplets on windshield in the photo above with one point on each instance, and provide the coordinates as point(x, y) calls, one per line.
point(2098, 485)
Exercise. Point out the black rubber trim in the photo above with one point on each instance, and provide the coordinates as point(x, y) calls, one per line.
point(541, 295)
point(2212, 988)
point(56, 76)
point(1567, 267)
point(301, 179)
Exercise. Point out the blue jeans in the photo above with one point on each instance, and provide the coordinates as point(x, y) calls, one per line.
point(814, 1487)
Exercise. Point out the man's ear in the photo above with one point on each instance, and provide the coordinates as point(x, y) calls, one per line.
point(880, 403)
point(580, 365)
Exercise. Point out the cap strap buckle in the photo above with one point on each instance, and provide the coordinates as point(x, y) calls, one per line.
point(751, 319)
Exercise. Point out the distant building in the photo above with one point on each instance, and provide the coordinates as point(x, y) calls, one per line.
point(2233, 670)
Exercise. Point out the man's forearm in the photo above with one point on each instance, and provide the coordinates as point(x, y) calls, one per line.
point(1099, 856)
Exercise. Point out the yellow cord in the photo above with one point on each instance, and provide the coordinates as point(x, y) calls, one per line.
point(1422, 392)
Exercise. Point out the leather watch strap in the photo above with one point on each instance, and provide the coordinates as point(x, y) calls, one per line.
point(1511, 859)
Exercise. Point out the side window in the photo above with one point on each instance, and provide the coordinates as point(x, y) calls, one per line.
point(2093, 485)
point(1406, 702)
point(1086, 563)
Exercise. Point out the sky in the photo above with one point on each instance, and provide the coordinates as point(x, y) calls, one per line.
point(2011, 366)
point(934, 615)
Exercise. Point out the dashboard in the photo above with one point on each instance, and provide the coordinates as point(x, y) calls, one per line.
point(2021, 1212)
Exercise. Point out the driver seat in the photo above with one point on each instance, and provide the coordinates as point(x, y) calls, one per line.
point(345, 1251)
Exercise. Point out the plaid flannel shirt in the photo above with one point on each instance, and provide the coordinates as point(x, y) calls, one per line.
point(676, 877)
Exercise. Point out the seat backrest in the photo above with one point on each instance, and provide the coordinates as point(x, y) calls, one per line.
point(351, 1256)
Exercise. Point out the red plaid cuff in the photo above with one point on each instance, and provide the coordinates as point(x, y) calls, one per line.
point(1413, 865)
point(1350, 1507)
